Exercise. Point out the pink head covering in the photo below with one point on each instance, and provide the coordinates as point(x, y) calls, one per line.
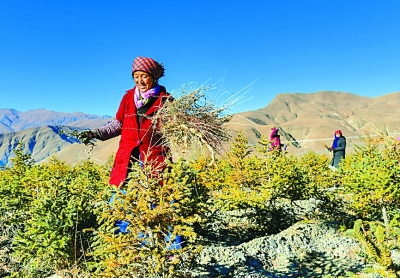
point(275, 139)
point(155, 69)
point(273, 133)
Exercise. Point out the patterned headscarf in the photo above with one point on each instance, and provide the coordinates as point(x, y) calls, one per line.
point(155, 69)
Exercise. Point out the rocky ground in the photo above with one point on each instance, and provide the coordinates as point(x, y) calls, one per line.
point(305, 249)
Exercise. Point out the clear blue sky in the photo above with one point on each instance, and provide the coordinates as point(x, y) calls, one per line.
point(74, 55)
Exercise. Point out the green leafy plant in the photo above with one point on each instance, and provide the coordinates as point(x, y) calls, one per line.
point(378, 239)
point(47, 206)
point(157, 210)
point(371, 179)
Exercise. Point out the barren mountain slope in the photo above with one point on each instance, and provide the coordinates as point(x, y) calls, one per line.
point(13, 120)
point(307, 119)
point(100, 153)
point(316, 116)
point(40, 142)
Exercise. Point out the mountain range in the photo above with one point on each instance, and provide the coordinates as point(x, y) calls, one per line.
point(311, 119)
point(306, 122)
point(42, 132)
point(12, 120)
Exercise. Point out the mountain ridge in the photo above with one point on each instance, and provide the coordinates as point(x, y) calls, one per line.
point(14, 120)
point(40, 142)
point(305, 121)
point(317, 115)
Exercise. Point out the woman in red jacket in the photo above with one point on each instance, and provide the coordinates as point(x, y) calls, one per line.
point(140, 141)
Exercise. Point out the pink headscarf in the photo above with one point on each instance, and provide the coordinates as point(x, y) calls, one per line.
point(273, 133)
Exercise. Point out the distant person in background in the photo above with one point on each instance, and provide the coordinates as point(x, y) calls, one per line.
point(275, 139)
point(338, 149)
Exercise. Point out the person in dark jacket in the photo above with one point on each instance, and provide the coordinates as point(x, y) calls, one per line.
point(338, 149)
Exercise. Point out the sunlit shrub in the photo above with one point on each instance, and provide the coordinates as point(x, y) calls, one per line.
point(157, 210)
point(58, 216)
point(48, 205)
point(371, 180)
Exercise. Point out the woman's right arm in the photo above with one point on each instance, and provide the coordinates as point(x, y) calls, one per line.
point(110, 130)
point(113, 128)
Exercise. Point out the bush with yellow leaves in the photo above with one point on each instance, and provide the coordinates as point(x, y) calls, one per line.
point(158, 210)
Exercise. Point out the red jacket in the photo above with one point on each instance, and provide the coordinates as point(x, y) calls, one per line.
point(146, 137)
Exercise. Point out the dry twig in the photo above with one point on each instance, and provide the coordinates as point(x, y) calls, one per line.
point(190, 120)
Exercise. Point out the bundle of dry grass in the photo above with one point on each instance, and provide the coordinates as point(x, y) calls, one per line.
point(191, 121)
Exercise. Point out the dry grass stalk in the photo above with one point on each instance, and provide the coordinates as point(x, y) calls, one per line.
point(326, 146)
point(382, 135)
point(192, 121)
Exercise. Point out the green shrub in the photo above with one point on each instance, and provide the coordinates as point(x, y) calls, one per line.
point(151, 210)
point(378, 239)
point(262, 184)
point(61, 208)
point(371, 180)
point(48, 206)
point(59, 220)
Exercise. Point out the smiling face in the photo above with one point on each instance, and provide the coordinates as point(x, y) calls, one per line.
point(143, 80)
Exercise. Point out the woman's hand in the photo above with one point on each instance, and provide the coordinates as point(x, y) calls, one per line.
point(86, 136)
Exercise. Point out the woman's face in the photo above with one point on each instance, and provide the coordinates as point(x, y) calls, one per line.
point(143, 80)
point(338, 134)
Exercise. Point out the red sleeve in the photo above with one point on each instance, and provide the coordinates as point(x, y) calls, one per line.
point(121, 110)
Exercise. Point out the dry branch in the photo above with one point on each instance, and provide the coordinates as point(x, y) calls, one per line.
point(192, 121)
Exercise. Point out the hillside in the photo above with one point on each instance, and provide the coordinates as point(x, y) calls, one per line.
point(46, 141)
point(12, 120)
point(307, 122)
point(75, 152)
point(308, 118)
point(41, 142)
